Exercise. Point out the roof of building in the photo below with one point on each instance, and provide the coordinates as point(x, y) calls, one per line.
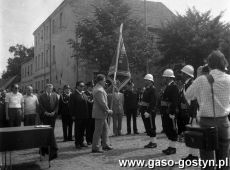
point(157, 12)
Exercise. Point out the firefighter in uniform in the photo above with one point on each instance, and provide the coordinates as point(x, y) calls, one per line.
point(188, 109)
point(169, 109)
point(147, 110)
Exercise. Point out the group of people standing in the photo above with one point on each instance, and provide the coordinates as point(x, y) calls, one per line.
point(180, 107)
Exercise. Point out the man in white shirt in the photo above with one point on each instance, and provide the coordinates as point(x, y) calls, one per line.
point(201, 90)
point(30, 107)
point(14, 106)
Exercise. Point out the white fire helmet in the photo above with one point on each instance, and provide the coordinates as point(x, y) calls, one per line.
point(149, 77)
point(168, 73)
point(189, 70)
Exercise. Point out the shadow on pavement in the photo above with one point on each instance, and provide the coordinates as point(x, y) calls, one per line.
point(26, 166)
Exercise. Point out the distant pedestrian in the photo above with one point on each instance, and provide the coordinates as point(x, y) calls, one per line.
point(130, 107)
point(64, 111)
point(14, 106)
point(100, 113)
point(31, 106)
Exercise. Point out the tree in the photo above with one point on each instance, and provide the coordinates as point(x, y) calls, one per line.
point(99, 37)
point(21, 54)
point(190, 38)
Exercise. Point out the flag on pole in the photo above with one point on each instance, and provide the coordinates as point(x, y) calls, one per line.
point(119, 73)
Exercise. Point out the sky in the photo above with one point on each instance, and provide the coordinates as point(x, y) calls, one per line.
point(19, 18)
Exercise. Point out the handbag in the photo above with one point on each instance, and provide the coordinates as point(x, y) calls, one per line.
point(201, 137)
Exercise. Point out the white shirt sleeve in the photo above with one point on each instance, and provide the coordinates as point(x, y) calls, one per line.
point(193, 90)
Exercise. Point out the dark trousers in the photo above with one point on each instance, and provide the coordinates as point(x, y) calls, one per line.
point(14, 117)
point(131, 113)
point(79, 130)
point(168, 127)
point(149, 122)
point(46, 120)
point(90, 130)
point(222, 152)
point(182, 121)
point(30, 119)
point(67, 126)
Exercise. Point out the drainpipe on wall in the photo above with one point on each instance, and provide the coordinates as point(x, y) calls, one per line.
point(50, 52)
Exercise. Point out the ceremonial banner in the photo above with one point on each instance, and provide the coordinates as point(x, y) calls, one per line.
point(119, 73)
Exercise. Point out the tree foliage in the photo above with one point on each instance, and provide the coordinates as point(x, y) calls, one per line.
point(99, 36)
point(21, 54)
point(190, 38)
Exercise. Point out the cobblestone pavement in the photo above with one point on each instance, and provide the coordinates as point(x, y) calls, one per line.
point(125, 147)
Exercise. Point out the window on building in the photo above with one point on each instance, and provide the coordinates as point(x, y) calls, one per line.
point(38, 85)
point(36, 63)
point(35, 40)
point(46, 32)
point(54, 54)
point(38, 38)
point(42, 35)
point(28, 70)
point(39, 61)
point(53, 26)
point(42, 60)
point(47, 58)
point(25, 72)
point(61, 17)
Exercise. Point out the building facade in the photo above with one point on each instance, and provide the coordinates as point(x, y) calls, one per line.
point(53, 61)
point(27, 74)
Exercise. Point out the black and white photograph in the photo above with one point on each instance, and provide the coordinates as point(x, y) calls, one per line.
point(114, 84)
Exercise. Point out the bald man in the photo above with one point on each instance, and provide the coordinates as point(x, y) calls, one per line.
point(30, 107)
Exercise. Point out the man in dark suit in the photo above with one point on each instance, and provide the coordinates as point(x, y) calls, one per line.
point(48, 110)
point(130, 107)
point(80, 113)
point(49, 106)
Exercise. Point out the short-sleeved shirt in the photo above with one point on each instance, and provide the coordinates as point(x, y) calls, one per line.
point(30, 104)
point(14, 100)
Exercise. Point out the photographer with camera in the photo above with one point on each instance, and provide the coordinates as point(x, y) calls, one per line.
point(213, 98)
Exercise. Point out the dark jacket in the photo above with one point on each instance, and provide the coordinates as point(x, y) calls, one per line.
point(64, 109)
point(130, 100)
point(171, 95)
point(193, 106)
point(48, 103)
point(79, 106)
point(150, 97)
point(89, 102)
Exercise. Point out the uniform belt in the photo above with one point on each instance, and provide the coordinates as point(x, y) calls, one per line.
point(144, 104)
point(164, 103)
point(183, 106)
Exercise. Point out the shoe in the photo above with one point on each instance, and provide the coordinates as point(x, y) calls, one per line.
point(170, 151)
point(190, 157)
point(150, 145)
point(65, 140)
point(54, 156)
point(107, 148)
point(89, 143)
point(136, 133)
point(128, 133)
point(83, 145)
point(78, 146)
point(97, 151)
point(70, 140)
point(165, 150)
